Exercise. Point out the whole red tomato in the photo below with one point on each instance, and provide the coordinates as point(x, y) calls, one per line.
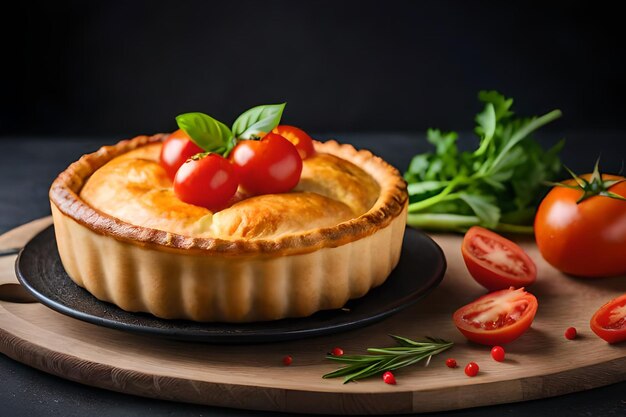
point(586, 238)
point(301, 140)
point(267, 166)
point(206, 180)
point(176, 149)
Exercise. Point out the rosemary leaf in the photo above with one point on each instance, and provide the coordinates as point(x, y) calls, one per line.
point(379, 360)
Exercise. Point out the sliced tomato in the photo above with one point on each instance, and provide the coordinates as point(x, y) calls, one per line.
point(495, 262)
point(498, 317)
point(609, 322)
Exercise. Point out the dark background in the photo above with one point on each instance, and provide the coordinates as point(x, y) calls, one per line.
point(114, 68)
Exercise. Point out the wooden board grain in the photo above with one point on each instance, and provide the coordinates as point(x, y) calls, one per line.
point(541, 363)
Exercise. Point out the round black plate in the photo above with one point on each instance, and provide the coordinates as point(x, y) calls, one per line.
point(421, 268)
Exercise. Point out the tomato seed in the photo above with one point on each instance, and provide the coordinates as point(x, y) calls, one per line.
point(337, 351)
point(497, 353)
point(389, 378)
point(571, 333)
point(287, 360)
point(471, 369)
point(451, 363)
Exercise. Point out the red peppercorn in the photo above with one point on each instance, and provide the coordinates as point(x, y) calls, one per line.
point(389, 378)
point(287, 360)
point(451, 363)
point(497, 353)
point(571, 333)
point(471, 369)
point(337, 351)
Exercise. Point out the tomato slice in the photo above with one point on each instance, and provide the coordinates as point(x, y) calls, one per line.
point(609, 322)
point(498, 317)
point(495, 262)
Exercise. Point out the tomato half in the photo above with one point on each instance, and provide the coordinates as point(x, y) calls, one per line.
point(609, 322)
point(495, 262)
point(498, 317)
point(176, 149)
point(206, 180)
point(267, 166)
point(301, 140)
point(586, 239)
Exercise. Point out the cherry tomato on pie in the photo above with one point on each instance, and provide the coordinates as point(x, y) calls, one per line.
point(298, 137)
point(609, 322)
point(267, 166)
point(496, 262)
point(498, 317)
point(176, 149)
point(586, 238)
point(206, 180)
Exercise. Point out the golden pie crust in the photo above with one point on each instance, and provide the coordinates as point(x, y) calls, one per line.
point(336, 236)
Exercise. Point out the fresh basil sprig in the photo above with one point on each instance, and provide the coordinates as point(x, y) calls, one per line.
point(498, 185)
point(257, 120)
point(206, 132)
point(214, 136)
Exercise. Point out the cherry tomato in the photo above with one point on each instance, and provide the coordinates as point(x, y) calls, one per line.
point(206, 180)
point(587, 239)
point(498, 317)
point(496, 262)
point(298, 137)
point(267, 166)
point(176, 149)
point(451, 363)
point(609, 322)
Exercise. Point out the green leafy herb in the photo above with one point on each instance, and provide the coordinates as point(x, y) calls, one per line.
point(379, 360)
point(257, 120)
point(215, 137)
point(498, 185)
point(206, 132)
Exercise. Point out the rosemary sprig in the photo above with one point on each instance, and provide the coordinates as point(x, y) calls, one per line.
point(379, 360)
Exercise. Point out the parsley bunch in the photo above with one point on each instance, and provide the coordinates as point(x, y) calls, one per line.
point(498, 185)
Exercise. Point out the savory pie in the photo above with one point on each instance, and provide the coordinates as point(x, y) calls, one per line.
point(126, 238)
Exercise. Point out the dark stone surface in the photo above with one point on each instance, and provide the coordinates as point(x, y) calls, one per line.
point(28, 166)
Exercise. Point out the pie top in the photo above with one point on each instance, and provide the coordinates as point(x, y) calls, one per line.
point(123, 191)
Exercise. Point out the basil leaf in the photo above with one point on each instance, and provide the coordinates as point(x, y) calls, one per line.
point(206, 132)
point(257, 120)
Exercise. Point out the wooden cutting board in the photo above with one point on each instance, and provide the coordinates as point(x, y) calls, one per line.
point(541, 363)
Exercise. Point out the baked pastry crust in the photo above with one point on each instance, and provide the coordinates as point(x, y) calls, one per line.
point(244, 277)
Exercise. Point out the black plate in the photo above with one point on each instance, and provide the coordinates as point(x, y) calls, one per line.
point(421, 268)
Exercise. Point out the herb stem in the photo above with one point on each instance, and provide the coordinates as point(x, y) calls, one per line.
point(458, 222)
point(442, 196)
point(379, 360)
